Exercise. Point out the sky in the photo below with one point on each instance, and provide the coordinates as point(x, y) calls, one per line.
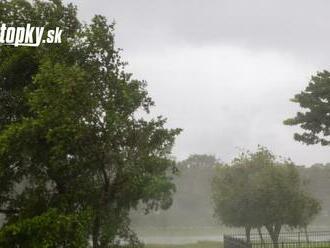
point(224, 70)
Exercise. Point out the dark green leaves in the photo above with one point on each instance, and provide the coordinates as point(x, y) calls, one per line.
point(315, 120)
point(70, 138)
point(258, 190)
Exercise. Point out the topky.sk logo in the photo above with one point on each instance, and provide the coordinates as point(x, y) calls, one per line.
point(28, 36)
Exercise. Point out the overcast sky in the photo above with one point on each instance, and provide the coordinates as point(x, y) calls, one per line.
point(224, 70)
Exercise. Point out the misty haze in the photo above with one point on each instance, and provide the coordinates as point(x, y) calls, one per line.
point(166, 124)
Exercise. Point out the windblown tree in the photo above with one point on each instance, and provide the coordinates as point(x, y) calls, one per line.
point(234, 190)
point(257, 190)
point(70, 140)
point(315, 119)
point(282, 199)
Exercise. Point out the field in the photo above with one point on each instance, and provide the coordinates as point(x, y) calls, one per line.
point(177, 237)
point(200, 244)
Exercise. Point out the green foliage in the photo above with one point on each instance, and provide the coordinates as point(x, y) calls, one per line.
point(257, 190)
point(315, 120)
point(199, 161)
point(49, 230)
point(70, 138)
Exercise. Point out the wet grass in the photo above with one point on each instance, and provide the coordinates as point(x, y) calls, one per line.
point(200, 244)
point(185, 231)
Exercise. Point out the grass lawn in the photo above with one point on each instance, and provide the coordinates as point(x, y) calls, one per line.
point(200, 244)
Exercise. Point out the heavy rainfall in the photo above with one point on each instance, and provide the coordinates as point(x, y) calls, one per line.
point(165, 124)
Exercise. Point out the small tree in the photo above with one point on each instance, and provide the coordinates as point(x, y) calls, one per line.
point(257, 190)
point(234, 190)
point(282, 200)
point(307, 213)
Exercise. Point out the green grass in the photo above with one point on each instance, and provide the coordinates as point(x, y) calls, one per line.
point(200, 244)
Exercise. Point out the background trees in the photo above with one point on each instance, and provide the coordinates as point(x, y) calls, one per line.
point(69, 136)
point(257, 190)
point(191, 201)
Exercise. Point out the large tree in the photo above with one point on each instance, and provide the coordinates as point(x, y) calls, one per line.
point(70, 136)
point(257, 190)
point(315, 119)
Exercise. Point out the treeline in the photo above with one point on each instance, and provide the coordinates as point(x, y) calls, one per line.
point(192, 204)
point(317, 182)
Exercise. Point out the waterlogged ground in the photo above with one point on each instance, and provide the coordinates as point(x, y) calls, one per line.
point(195, 237)
point(181, 237)
point(201, 244)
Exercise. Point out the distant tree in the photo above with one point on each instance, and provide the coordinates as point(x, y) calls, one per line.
point(315, 120)
point(306, 214)
point(191, 201)
point(257, 190)
point(282, 199)
point(231, 203)
point(70, 139)
point(234, 190)
point(316, 181)
point(199, 161)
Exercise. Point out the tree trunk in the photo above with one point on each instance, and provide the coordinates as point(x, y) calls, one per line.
point(96, 232)
point(306, 234)
point(248, 233)
point(274, 232)
point(261, 237)
point(98, 215)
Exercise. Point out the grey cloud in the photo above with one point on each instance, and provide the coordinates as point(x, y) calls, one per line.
point(224, 70)
point(298, 26)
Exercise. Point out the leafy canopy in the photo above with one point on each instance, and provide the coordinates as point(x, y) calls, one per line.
point(315, 119)
point(257, 190)
point(70, 136)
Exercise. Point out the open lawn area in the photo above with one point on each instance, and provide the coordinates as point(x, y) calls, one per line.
point(201, 244)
